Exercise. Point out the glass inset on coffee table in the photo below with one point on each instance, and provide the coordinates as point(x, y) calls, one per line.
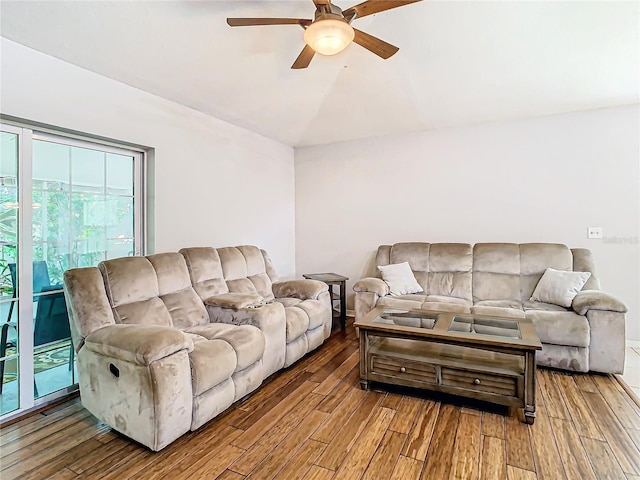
point(476, 356)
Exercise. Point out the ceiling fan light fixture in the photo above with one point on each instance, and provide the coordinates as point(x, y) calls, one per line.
point(329, 36)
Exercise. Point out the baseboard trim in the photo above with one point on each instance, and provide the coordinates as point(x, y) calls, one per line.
point(628, 389)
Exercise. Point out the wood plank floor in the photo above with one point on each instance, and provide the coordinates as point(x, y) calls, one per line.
point(312, 421)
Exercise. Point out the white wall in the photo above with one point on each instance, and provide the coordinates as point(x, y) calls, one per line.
point(215, 184)
point(539, 180)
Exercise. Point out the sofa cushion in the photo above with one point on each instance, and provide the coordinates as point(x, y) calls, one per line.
point(316, 311)
point(560, 328)
point(288, 302)
point(499, 303)
point(171, 272)
point(497, 258)
point(498, 311)
point(535, 258)
point(186, 308)
point(400, 279)
point(450, 284)
point(402, 302)
point(147, 312)
point(234, 265)
point(500, 308)
point(175, 290)
point(129, 280)
point(559, 287)
point(533, 305)
point(297, 322)
point(212, 362)
point(415, 253)
point(262, 284)
point(495, 286)
point(446, 299)
point(446, 307)
point(450, 257)
point(205, 270)
point(246, 340)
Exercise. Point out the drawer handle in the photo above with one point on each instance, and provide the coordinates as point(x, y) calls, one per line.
point(476, 381)
point(402, 369)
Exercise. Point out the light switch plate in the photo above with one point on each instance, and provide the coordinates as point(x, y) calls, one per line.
point(594, 232)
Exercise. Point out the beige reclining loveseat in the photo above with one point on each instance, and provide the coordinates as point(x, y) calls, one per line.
point(499, 279)
point(166, 342)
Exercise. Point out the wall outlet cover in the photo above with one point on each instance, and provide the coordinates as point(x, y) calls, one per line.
point(594, 232)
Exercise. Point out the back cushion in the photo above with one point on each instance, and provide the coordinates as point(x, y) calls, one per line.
point(205, 271)
point(535, 258)
point(133, 292)
point(511, 271)
point(450, 270)
point(245, 270)
point(175, 290)
point(583, 262)
point(440, 268)
point(496, 271)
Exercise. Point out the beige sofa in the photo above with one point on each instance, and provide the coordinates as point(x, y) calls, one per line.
point(499, 279)
point(166, 342)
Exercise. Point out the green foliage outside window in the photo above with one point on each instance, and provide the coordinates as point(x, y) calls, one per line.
point(69, 229)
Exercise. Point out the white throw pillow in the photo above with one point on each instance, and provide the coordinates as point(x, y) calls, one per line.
point(400, 278)
point(559, 287)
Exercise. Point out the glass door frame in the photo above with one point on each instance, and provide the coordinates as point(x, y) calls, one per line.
point(26, 135)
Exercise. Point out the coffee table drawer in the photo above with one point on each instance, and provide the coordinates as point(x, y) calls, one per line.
point(480, 382)
point(403, 369)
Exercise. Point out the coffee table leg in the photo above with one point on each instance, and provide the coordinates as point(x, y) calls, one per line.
point(364, 353)
point(530, 387)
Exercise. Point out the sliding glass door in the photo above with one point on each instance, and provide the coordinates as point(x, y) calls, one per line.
point(73, 203)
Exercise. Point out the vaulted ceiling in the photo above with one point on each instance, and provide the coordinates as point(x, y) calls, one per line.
point(459, 63)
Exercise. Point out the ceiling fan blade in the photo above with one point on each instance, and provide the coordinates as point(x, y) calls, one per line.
point(304, 59)
point(375, 6)
point(326, 3)
point(247, 22)
point(374, 44)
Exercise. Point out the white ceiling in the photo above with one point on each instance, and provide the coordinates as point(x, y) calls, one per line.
point(460, 62)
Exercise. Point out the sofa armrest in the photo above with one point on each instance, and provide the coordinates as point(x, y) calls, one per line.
point(302, 289)
point(596, 300)
point(138, 344)
point(373, 285)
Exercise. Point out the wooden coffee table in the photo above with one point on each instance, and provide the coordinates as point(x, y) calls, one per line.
point(482, 357)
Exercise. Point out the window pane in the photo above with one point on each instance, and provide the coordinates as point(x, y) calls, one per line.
point(9, 400)
point(88, 253)
point(120, 248)
point(87, 217)
point(57, 258)
point(51, 216)
point(87, 170)
point(119, 217)
point(51, 166)
point(119, 174)
point(52, 360)
point(8, 256)
point(8, 211)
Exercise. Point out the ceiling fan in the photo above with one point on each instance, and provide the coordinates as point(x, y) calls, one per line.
point(330, 31)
